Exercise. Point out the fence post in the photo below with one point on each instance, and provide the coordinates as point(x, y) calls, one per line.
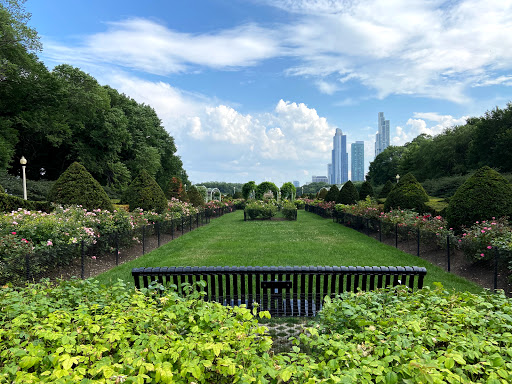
point(380, 231)
point(117, 248)
point(496, 255)
point(189, 222)
point(448, 251)
point(396, 235)
point(143, 239)
point(82, 274)
point(182, 225)
point(172, 229)
point(158, 232)
point(27, 266)
point(418, 240)
point(197, 220)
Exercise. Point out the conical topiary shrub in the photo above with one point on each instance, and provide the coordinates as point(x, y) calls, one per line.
point(348, 194)
point(407, 194)
point(322, 193)
point(144, 192)
point(386, 189)
point(175, 189)
point(484, 195)
point(195, 197)
point(366, 190)
point(332, 194)
point(76, 186)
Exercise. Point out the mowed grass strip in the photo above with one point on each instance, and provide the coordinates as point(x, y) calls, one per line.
point(311, 240)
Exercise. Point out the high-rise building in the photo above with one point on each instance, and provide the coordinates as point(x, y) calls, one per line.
point(296, 184)
point(357, 165)
point(382, 138)
point(319, 179)
point(339, 164)
point(329, 173)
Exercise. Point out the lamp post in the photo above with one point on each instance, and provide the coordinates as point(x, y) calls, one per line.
point(397, 178)
point(233, 191)
point(23, 163)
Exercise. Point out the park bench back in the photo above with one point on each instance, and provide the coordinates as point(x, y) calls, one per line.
point(283, 291)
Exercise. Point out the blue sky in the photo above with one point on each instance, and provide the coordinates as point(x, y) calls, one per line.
point(254, 89)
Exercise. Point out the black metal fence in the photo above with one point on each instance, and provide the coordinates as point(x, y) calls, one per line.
point(87, 258)
point(491, 272)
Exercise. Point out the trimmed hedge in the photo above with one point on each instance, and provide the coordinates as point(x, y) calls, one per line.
point(484, 195)
point(144, 192)
point(407, 194)
point(13, 203)
point(76, 186)
point(348, 194)
point(195, 197)
point(332, 194)
point(386, 189)
point(366, 190)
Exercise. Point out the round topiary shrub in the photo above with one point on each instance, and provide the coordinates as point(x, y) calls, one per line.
point(76, 186)
point(366, 190)
point(348, 194)
point(407, 194)
point(144, 192)
point(332, 194)
point(386, 189)
point(484, 195)
point(264, 187)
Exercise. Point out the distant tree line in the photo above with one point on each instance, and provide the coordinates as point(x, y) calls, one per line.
point(57, 117)
point(482, 141)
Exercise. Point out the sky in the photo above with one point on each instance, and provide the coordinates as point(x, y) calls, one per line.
point(254, 89)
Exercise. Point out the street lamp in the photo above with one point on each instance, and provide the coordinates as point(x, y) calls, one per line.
point(23, 163)
point(397, 178)
point(233, 191)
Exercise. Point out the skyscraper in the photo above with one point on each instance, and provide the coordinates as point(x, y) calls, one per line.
point(382, 138)
point(329, 173)
point(357, 166)
point(339, 164)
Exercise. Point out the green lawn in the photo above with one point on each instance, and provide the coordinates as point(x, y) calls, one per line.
point(311, 240)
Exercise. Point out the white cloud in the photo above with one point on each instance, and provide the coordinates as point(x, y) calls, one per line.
point(418, 125)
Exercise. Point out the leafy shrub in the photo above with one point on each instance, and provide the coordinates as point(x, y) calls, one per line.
point(2, 190)
point(13, 203)
point(332, 194)
point(264, 187)
point(348, 194)
point(484, 195)
point(407, 194)
point(288, 191)
point(196, 199)
point(248, 188)
point(366, 190)
point(480, 241)
point(260, 210)
point(50, 334)
point(145, 193)
point(386, 189)
point(76, 186)
point(299, 203)
point(444, 186)
point(176, 190)
point(289, 210)
point(322, 193)
point(429, 336)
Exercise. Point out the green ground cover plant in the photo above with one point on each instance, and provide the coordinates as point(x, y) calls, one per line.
point(311, 240)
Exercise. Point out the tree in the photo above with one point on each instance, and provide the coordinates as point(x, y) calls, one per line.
point(145, 193)
point(386, 165)
point(322, 193)
point(76, 186)
point(483, 196)
point(313, 188)
point(288, 191)
point(332, 194)
point(248, 188)
point(265, 187)
point(348, 194)
point(196, 199)
point(175, 189)
point(366, 190)
point(386, 189)
point(407, 194)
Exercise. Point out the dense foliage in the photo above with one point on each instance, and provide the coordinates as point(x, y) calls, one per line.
point(78, 331)
point(248, 189)
point(258, 209)
point(348, 194)
point(195, 197)
point(64, 115)
point(332, 193)
point(265, 187)
point(366, 190)
point(322, 193)
point(288, 191)
point(145, 193)
point(76, 186)
point(384, 192)
point(484, 195)
point(407, 194)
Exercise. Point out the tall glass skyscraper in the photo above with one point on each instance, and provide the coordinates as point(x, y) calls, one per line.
point(382, 138)
point(357, 154)
point(339, 163)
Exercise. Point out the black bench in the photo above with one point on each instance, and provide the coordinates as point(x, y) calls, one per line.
point(283, 291)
